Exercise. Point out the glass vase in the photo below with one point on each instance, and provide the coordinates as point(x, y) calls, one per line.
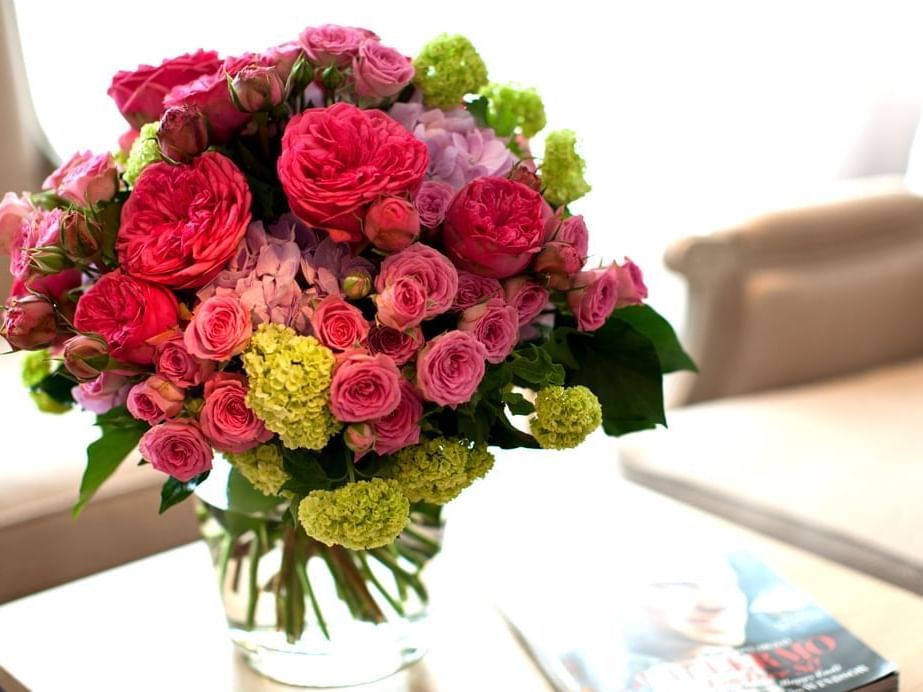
point(307, 614)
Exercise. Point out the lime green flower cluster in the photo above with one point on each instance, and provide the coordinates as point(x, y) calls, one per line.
point(262, 466)
point(562, 169)
point(358, 516)
point(46, 404)
point(437, 470)
point(447, 68)
point(289, 385)
point(510, 107)
point(564, 416)
point(144, 151)
point(36, 366)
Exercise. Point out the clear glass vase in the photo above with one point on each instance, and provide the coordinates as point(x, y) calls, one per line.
point(306, 614)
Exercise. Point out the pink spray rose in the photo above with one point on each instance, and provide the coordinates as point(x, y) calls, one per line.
point(102, 394)
point(41, 229)
point(333, 45)
point(560, 262)
point(226, 420)
point(573, 231)
point(632, 290)
point(594, 297)
point(183, 133)
point(177, 448)
point(283, 57)
point(220, 328)
point(380, 71)
point(402, 304)
point(128, 314)
point(528, 297)
point(339, 325)
point(474, 289)
point(392, 224)
point(364, 387)
point(258, 87)
point(85, 179)
point(155, 400)
point(433, 270)
point(29, 322)
point(495, 324)
point(182, 224)
point(85, 357)
point(401, 346)
point(13, 211)
point(450, 368)
point(360, 438)
point(175, 363)
point(401, 427)
point(432, 201)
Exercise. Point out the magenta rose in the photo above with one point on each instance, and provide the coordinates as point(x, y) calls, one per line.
point(528, 297)
point(594, 297)
point(339, 325)
point(139, 94)
point(155, 400)
point(433, 270)
point(226, 420)
point(29, 322)
point(182, 224)
point(128, 314)
point(40, 229)
point(174, 362)
point(402, 304)
point(364, 387)
point(333, 45)
point(450, 368)
point(220, 328)
point(401, 427)
point(400, 346)
point(85, 179)
point(380, 71)
point(392, 224)
point(495, 324)
point(177, 448)
point(632, 290)
point(14, 209)
point(474, 289)
point(494, 226)
point(432, 201)
point(102, 394)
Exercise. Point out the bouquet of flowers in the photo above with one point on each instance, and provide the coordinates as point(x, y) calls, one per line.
point(343, 270)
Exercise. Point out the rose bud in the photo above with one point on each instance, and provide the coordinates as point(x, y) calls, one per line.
point(85, 356)
point(525, 175)
point(392, 224)
point(360, 438)
point(559, 261)
point(48, 260)
point(29, 323)
point(257, 88)
point(80, 238)
point(357, 284)
point(183, 133)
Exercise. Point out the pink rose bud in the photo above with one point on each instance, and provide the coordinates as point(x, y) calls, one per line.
point(495, 324)
point(401, 427)
point(177, 448)
point(339, 325)
point(85, 179)
point(527, 176)
point(81, 238)
point(432, 201)
point(528, 297)
point(380, 71)
point(285, 57)
point(357, 284)
point(360, 438)
point(85, 356)
point(102, 394)
point(594, 297)
point(364, 387)
point(450, 368)
point(632, 290)
point(401, 346)
point(227, 422)
point(559, 261)
point(257, 88)
point(155, 400)
point(13, 210)
point(220, 328)
point(29, 322)
point(183, 133)
point(392, 224)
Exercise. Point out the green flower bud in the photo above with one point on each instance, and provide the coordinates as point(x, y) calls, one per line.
point(565, 416)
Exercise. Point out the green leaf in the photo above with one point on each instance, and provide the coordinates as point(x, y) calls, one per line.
point(647, 321)
point(58, 385)
point(306, 472)
point(534, 368)
point(175, 491)
point(518, 404)
point(506, 436)
point(478, 108)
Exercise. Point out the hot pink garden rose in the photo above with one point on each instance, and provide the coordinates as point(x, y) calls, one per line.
point(474, 289)
point(85, 179)
point(13, 211)
point(400, 346)
point(102, 394)
point(128, 314)
point(339, 325)
point(380, 71)
point(402, 304)
point(495, 324)
point(392, 224)
point(494, 226)
point(594, 297)
point(401, 427)
point(632, 290)
point(528, 297)
point(226, 420)
point(220, 328)
point(364, 387)
point(182, 223)
point(450, 368)
point(432, 201)
point(331, 44)
point(174, 362)
point(177, 448)
point(430, 268)
point(155, 400)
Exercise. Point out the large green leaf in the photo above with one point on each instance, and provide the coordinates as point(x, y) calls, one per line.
point(646, 320)
point(175, 491)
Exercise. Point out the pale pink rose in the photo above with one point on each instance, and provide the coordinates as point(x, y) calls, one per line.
point(528, 297)
point(594, 297)
point(402, 304)
point(331, 44)
point(391, 224)
point(573, 231)
point(401, 346)
point(85, 179)
point(401, 427)
point(474, 289)
point(450, 368)
point(220, 328)
point(364, 387)
point(380, 71)
point(102, 394)
point(155, 400)
point(13, 211)
point(632, 290)
point(174, 362)
point(432, 200)
point(283, 57)
point(360, 438)
point(495, 324)
point(432, 269)
point(41, 229)
point(177, 448)
point(339, 325)
point(227, 422)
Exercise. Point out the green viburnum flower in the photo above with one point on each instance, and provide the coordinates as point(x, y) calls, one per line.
point(562, 169)
point(262, 466)
point(564, 416)
point(46, 404)
point(358, 516)
point(437, 470)
point(144, 151)
point(511, 107)
point(289, 385)
point(447, 68)
point(36, 366)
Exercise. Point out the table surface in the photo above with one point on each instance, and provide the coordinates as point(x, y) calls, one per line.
point(157, 623)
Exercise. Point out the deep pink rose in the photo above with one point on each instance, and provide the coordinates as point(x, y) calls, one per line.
point(594, 297)
point(226, 420)
point(155, 400)
point(29, 322)
point(177, 448)
point(632, 290)
point(474, 289)
point(380, 71)
point(13, 211)
point(181, 224)
point(339, 325)
point(495, 324)
point(331, 44)
point(336, 161)
point(432, 201)
point(401, 346)
point(364, 387)
point(102, 394)
point(220, 328)
point(450, 368)
point(528, 297)
point(40, 229)
point(174, 362)
point(401, 427)
point(139, 95)
point(85, 179)
point(392, 224)
point(127, 313)
point(402, 304)
point(494, 226)
point(433, 270)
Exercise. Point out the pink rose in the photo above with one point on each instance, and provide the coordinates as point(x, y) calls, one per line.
point(41, 229)
point(432, 201)
point(283, 57)
point(155, 400)
point(226, 420)
point(174, 362)
point(380, 71)
point(573, 231)
point(29, 322)
point(183, 134)
point(433, 270)
point(528, 297)
point(220, 328)
point(102, 394)
point(139, 94)
point(400, 346)
point(494, 226)
point(85, 179)
point(594, 297)
point(177, 448)
point(401, 427)
point(402, 304)
point(182, 224)
point(495, 324)
point(632, 290)
point(450, 368)
point(127, 313)
point(392, 224)
point(364, 387)
point(258, 88)
point(339, 325)
point(13, 211)
point(332, 45)
point(560, 262)
point(474, 289)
